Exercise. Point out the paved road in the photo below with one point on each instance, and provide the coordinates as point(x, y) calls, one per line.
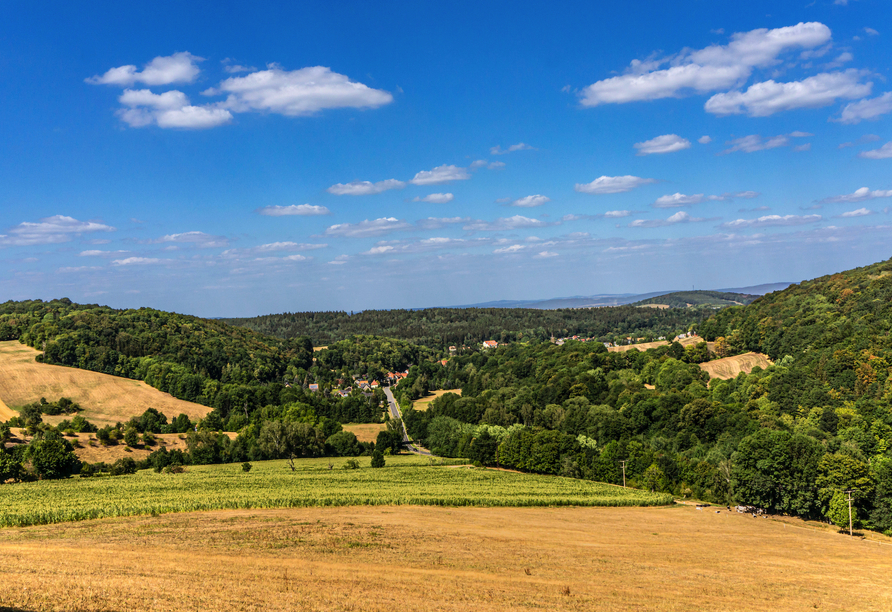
point(395, 413)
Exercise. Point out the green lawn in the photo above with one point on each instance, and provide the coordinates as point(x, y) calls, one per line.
point(271, 484)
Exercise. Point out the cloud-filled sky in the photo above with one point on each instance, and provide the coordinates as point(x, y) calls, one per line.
point(237, 161)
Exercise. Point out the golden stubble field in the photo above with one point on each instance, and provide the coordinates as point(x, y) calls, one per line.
point(730, 367)
point(456, 559)
point(425, 402)
point(105, 399)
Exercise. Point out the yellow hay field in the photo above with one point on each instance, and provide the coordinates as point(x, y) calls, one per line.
point(105, 399)
point(365, 432)
point(730, 367)
point(643, 346)
point(425, 402)
point(443, 559)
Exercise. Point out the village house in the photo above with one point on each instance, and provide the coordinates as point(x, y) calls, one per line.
point(488, 344)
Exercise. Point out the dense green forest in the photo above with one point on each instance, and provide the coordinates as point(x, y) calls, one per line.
point(439, 328)
point(696, 299)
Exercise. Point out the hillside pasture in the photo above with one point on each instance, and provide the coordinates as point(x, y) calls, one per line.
point(105, 399)
point(425, 402)
point(730, 367)
point(443, 559)
point(643, 346)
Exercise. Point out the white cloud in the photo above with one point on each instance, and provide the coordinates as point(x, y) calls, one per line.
point(97, 253)
point(340, 260)
point(531, 201)
point(613, 184)
point(293, 209)
point(505, 224)
point(767, 98)
point(197, 238)
point(713, 68)
point(436, 198)
point(496, 165)
point(358, 188)
point(163, 70)
point(168, 110)
point(50, 230)
point(617, 214)
point(521, 146)
point(870, 31)
point(860, 195)
point(869, 109)
point(297, 92)
point(803, 147)
point(884, 152)
point(439, 222)
point(704, 140)
point(861, 212)
point(677, 200)
point(679, 217)
point(772, 221)
point(478, 164)
point(440, 174)
point(136, 261)
point(514, 248)
point(666, 143)
point(272, 247)
point(367, 228)
point(545, 255)
point(754, 142)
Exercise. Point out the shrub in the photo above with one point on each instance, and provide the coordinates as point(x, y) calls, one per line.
point(378, 459)
point(351, 464)
point(246, 467)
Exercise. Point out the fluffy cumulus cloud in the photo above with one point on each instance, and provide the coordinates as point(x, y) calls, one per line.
point(367, 228)
point(531, 201)
point(860, 195)
point(358, 188)
point(436, 198)
point(520, 146)
point(772, 221)
point(884, 152)
point(171, 109)
point(50, 230)
point(164, 70)
point(505, 224)
point(613, 184)
point(296, 92)
point(305, 210)
point(666, 143)
point(868, 109)
point(769, 97)
point(713, 68)
point(704, 139)
point(199, 239)
point(441, 174)
point(679, 217)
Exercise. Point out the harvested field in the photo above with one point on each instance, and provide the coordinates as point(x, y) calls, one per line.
point(657, 306)
point(643, 346)
point(87, 447)
point(449, 559)
point(365, 432)
point(424, 402)
point(105, 399)
point(730, 367)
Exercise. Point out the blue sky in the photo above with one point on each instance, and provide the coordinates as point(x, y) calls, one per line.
point(234, 160)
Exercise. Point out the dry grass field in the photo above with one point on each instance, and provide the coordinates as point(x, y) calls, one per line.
point(365, 432)
point(105, 399)
point(424, 402)
point(643, 346)
point(450, 559)
point(730, 367)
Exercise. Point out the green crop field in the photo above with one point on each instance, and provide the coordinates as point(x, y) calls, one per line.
point(405, 480)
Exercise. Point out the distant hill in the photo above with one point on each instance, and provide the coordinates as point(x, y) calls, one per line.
point(698, 299)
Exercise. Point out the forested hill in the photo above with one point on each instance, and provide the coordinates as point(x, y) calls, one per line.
point(834, 328)
point(441, 327)
point(695, 299)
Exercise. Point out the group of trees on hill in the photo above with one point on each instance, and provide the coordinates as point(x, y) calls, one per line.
point(694, 299)
point(439, 328)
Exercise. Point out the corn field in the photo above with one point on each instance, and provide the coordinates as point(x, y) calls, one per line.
point(404, 481)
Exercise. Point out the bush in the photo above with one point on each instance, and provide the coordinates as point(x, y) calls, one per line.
point(246, 467)
point(351, 464)
point(378, 459)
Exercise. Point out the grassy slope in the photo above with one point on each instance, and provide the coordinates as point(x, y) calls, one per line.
point(689, 299)
point(105, 399)
point(442, 559)
point(405, 480)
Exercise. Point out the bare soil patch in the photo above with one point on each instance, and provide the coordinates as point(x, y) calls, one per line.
point(455, 559)
point(424, 402)
point(730, 367)
point(105, 399)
